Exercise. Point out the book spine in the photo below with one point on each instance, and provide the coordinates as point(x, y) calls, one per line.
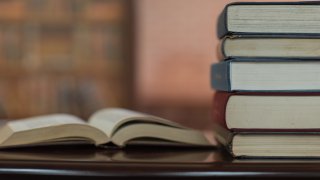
point(222, 30)
point(221, 132)
point(220, 100)
point(221, 54)
point(220, 76)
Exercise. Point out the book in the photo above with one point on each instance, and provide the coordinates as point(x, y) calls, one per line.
point(273, 18)
point(267, 112)
point(264, 47)
point(106, 127)
point(264, 75)
point(269, 144)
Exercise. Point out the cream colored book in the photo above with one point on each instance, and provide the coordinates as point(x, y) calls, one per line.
point(303, 48)
point(113, 126)
point(270, 18)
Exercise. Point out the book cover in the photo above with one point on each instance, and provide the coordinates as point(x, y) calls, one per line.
point(221, 79)
point(291, 46)
point(223, 29)
point(219, 105)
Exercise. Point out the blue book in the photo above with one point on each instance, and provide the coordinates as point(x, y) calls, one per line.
point(270, 18)
point(266, 75)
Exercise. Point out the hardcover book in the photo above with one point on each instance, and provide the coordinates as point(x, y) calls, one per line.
point(270, 144)
point(274, 18)
point(265, 75)
point(112, 126)
point(268, 126)
point(264, 47)
point(267, 112)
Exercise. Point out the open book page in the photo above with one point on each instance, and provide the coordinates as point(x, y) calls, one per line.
point(49, 129)
point(43, 121)
point(110, 119)
point(168, 133)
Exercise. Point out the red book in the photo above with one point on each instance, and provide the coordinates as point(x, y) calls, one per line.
point(267, 112)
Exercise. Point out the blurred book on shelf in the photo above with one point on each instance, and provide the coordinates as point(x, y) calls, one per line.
point(62, 56)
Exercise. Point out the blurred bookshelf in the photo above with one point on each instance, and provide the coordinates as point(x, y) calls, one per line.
point(63, 56)
point(175, 45)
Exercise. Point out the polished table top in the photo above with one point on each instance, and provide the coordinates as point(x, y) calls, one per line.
point(86, 162)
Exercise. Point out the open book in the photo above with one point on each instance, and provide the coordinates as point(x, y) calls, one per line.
point(107, 126)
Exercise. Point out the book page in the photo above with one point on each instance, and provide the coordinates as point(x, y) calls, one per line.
point(163, 133)
point(109, 120)
point(43, 121)
point(50, 129)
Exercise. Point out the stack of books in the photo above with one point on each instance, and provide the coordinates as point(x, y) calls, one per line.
point(269, 81)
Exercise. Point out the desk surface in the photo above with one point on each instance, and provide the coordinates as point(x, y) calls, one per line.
point(86, 162)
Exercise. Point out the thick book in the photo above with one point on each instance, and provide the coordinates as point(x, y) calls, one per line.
point(270, 18)
point(273, 125)
point(262, 47)
point(267, 112)
point(265, 75)
point(270, 144)
point(106, 127)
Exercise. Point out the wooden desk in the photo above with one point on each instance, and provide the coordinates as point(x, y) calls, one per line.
point(81, 162)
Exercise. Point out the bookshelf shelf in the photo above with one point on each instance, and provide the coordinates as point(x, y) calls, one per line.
point(20, 72)
point(62, 56)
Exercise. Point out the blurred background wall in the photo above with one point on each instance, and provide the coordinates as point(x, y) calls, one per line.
point(176, 43)
point(77, 56)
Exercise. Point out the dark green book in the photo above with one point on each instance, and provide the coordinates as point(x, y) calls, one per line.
point(270, 18)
